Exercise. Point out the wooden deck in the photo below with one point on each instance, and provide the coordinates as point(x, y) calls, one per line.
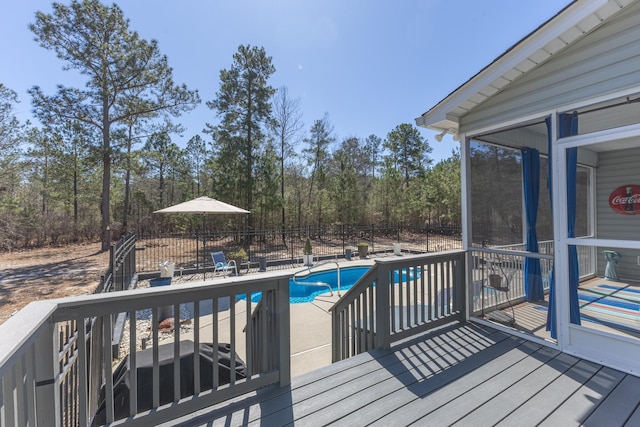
point(459, 375)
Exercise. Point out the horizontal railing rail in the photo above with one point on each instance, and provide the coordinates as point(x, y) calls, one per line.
point(45, 361)
point(544, 247)
point(508, 262)
point(397, 298)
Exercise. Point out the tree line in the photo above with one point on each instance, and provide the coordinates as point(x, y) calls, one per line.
point(103, 158)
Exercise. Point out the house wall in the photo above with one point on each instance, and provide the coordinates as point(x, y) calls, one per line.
point(605, 61)
point(617, 168)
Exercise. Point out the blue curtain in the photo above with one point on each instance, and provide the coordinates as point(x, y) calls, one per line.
point(568, 126)
point(533, 289)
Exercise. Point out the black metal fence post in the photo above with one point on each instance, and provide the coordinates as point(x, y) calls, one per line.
point(373, 233)
point(427, 230)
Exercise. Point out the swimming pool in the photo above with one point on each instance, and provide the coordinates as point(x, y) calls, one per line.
point(306, 289)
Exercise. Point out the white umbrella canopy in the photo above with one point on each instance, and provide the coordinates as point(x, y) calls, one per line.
point(203, 205)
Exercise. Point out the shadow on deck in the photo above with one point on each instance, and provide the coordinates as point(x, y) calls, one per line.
point(458, 374)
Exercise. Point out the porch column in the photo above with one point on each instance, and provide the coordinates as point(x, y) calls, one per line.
point(567, 126)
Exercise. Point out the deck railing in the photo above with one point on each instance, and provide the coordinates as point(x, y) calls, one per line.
point(508, 262)
point(586, 255)
point(397, 298)
point(50, 376)
point(508, 268)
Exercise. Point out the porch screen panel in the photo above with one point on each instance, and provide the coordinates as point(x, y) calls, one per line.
point(496, 196)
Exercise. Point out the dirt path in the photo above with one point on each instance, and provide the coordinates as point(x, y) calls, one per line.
point(39, 274)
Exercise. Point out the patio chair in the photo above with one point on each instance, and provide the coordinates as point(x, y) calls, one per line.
point(500, 282)
point(221, 264)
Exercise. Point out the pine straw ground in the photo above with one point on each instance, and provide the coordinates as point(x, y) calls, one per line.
point(47, 273)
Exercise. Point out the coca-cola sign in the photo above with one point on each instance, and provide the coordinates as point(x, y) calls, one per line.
point(625, 200)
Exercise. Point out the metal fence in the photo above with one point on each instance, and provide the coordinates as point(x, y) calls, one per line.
point(283, 248)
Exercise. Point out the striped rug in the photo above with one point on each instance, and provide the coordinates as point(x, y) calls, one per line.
point(614, 306)
point(608, 304)
point(624, 292)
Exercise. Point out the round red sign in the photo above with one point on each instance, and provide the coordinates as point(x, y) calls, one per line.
point(625, 200)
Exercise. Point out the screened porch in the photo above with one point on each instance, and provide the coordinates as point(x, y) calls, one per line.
point(511, 222)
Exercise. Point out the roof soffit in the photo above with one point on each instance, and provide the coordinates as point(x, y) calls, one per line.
point(566, 27)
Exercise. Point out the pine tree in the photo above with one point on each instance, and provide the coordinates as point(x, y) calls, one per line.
point(243, 104)
point(286, 128)
point(317, 154)
point(408, 151)
point(196, 153)
point(10, 131)
point(120, 68)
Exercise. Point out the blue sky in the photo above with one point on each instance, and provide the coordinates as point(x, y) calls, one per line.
point(370, 65)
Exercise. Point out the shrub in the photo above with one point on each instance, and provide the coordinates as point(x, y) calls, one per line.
point(240, 254)
point(307, 247)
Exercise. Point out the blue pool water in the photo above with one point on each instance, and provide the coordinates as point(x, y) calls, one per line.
point(300, 292)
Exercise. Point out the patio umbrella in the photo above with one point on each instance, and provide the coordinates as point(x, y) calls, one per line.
point(204, 206)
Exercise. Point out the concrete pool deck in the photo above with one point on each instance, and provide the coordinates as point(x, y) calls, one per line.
point(310, 326)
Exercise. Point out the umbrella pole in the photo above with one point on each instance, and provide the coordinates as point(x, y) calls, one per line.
point(197, 250)
point(204, 245)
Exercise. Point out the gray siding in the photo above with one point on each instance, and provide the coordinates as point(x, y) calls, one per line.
point(617, 168)
point(604, 61)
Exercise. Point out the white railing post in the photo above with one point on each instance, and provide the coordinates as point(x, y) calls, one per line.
point(460, 290)
point(47, 392)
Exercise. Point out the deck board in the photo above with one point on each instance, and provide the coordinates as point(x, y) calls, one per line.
point(634, 419)
point(391, 372)
point(442, 390)
point(615, 409)
point(539, 406)
point(462, 399)
point(460, 374)
point(402, 382)
point(377, 402)
point(580, 405)
point(552, 365)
